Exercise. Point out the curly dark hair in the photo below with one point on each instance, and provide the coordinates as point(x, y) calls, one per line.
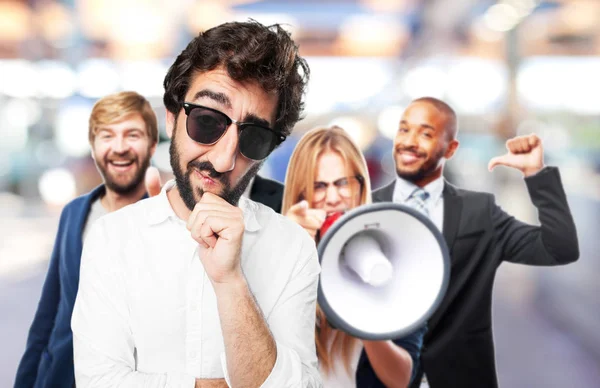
point(249, 51)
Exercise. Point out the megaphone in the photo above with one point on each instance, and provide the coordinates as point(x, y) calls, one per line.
point(384, 270)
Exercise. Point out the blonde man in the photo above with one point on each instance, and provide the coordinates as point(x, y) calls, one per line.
point(123, 135)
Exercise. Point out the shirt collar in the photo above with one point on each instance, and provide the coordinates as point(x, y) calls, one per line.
point(403, 189)
point(161, 209)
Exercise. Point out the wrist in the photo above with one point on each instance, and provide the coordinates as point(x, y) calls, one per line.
point(530, 171)
point(235, 281)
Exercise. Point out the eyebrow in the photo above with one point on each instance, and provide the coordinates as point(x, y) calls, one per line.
point(422, 125)
point(334, 181)
point(221, 98)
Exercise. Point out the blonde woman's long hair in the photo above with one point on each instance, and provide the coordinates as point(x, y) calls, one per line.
point(299, 185)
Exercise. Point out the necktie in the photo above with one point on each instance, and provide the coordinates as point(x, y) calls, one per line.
point(417, 200)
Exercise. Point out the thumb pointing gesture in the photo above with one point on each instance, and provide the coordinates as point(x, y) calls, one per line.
point(525, 153)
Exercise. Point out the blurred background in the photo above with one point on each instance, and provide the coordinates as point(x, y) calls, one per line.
point(508, 67)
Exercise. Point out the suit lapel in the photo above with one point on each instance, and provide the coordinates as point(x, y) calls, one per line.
point(385, 193)
point(452, 210)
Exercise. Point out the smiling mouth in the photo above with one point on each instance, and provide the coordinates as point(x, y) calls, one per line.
point(409, 157)
point(121, 163)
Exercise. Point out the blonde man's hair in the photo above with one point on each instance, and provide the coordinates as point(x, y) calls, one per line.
point(117, 107)
point(299, 185)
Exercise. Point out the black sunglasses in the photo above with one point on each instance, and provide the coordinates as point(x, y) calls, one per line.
point(206, 126)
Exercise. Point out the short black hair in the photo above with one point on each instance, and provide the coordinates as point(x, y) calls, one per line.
point(452, 125)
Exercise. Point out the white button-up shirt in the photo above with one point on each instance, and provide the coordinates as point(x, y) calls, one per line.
point(434, 204)
point(146, 312)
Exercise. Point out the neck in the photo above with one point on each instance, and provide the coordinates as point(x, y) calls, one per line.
point(177, 204)
point(113, 201)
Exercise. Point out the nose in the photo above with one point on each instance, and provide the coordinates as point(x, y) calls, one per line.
point(224, 152)
point(409, 139)
point(119, 145)
point(332, 197)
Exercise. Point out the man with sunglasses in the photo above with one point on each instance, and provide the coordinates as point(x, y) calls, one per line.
point(198, 286)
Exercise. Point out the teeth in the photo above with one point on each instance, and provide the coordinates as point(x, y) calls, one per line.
point(122, 163)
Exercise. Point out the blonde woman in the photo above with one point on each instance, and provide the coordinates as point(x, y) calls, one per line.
point(327, 173)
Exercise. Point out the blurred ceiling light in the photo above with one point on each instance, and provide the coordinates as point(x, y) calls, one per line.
point(581, 94)
point(138, 22)
point(55, 21)
point(501, 17)
point(144, 77)
point(561, 83)
point(425, 80)
point(580, 15)
point(56, 79)
point(71, 129)
point(97, 78)
point(203, 15)
point(555, 138)
point(539, 84)
point(345, 81)
point(95, 17)
point(521, 7)
point(286, 21)
point(18, 78)
point(15, 21)
point(476, 86)
point(484, 33)
point(367, 35)
point(16, 116)
point(386, 5)
point(362, 134)
point(57, 187)
point(388, 121)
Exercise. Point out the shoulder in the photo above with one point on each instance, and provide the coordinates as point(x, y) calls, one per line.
point(473, 199)
point(129, 218)
point(277, 231)
point(81, 203)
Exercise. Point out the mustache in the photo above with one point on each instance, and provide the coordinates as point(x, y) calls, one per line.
point(127, 155)
point(208, 168)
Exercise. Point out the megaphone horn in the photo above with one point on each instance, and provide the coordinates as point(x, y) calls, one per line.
point(384, 270)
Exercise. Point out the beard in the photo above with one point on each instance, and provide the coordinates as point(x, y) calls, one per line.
point(184, 184)
point(429, 166)
point(127, 186)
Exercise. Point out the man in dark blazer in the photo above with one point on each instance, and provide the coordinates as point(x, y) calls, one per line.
point(458, 349)
point(123, 135)
point(266, 191)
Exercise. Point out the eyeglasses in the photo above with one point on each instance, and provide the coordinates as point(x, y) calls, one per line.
point(207, 126)
point(346, 187)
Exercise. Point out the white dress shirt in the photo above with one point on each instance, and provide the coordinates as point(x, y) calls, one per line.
point(146, 312)
point(434, 204)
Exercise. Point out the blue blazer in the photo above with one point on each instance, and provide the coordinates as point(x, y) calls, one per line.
point(48, 358)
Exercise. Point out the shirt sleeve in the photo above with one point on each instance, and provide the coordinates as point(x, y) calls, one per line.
point(413, 343)
point(292, 323)
point(104, 350)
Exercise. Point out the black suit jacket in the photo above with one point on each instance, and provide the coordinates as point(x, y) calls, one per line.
point(458, 348)
point(267, 192)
